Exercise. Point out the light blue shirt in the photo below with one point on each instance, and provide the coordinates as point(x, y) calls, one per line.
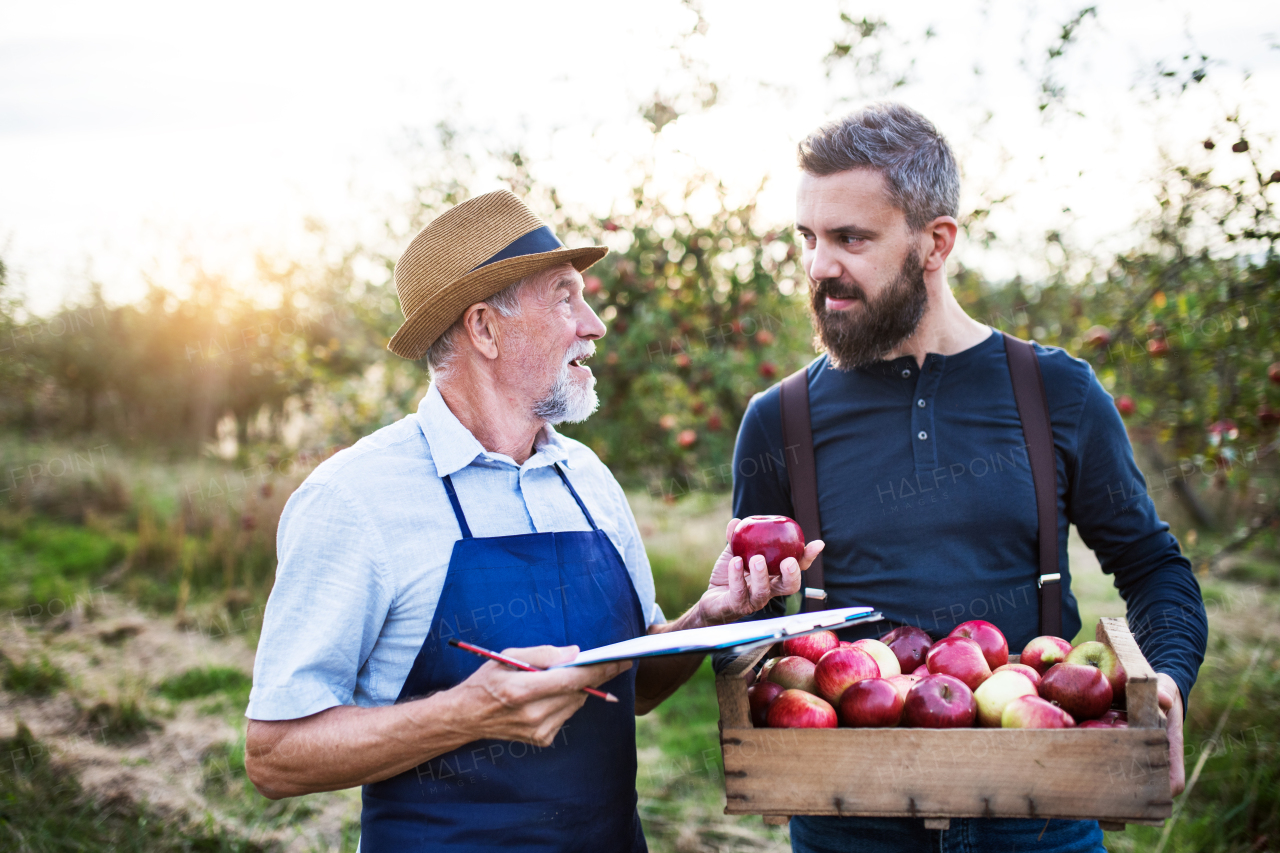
point(364, 547)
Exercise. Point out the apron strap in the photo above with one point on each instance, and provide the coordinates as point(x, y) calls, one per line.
point(573, 492)
point(457, 507)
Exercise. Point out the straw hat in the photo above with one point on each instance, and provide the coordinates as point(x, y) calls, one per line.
point(466, 255)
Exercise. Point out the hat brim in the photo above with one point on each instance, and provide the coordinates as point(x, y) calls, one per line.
point(442, 309)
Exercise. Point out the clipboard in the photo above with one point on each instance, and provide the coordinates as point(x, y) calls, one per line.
point(736, 635)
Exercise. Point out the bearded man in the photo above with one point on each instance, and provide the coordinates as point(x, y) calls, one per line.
point(473, 519)
point(924, 484)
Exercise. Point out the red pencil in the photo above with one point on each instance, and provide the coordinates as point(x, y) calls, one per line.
point(515, 664)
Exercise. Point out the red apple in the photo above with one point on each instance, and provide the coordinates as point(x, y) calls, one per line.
point(883, 655)
point(759, 697)
point(1273, 372)
point(1032, 712)
point(1100, 655)
point(998, 691)
point(1098, 724)
point(921, 671)
point(1125, 405)
point(1114, 716)
point(1157, 347)
point(840, 668)
point(764, 670)
point(939, 702)
point(988, 637)
point(1098, 337)
point(794, 673)
point(1043, 652)
point(903, 683)
point(1080, 690)
point(775, 537)
point(909, 644)
point(811, 646)
point(1022, 668)
point(796, 709)
point(871, 703)
point(960, 657)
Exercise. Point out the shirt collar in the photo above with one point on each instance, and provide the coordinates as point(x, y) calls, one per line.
point(453, 447)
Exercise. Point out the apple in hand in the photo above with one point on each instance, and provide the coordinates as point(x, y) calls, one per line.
point(796, 709)
point(1080, 690)
point(1032, 712)
point(1043, 652)
point(774, 537)
point(839, 668)
point(883, 655)
point(871, 703)
point(1022, 668)
point(998, 691)
point(759, 697)
point(988, 637)
point(961, 658)
point(939, 702)
point(903, 683)
point(909, 644)
point(1100, 655)
point(794, 673)
point(811, 646)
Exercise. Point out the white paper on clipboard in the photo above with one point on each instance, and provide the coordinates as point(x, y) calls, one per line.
point(741, 635)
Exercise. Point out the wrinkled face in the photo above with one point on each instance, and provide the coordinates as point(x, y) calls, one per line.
point(544, 346)
point(866, 277)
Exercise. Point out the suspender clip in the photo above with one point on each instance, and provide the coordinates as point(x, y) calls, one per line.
point(815, 594)
point(1055, 577)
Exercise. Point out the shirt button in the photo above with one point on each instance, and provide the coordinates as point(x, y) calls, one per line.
point(906, 373)
point(922, 435)
point(920, 402)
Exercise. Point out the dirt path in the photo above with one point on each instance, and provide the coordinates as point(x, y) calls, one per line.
point(129, 745)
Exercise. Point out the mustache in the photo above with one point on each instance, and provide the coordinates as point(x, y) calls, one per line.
point(838, 289)
point(580, 351)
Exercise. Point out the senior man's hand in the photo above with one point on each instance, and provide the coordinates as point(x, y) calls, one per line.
point(1170, 698)
point(736, 591)
point(508, 704)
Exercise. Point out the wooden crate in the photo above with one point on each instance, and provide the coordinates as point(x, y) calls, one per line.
point(1115, 776)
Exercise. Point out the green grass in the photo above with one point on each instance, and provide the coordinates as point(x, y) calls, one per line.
point(33, 677)
point(51, 566)
point(43, 809)
point(121, 721)
point(206, 681)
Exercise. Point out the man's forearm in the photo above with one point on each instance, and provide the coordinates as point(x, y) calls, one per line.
point(657, 678)
point(347, 746)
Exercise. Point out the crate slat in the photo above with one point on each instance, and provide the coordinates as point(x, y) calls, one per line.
point(1116, 774)
point(1141, 699)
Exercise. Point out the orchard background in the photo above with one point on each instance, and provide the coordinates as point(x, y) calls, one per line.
point(149, 445)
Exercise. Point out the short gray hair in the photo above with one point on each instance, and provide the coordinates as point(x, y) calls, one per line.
point(442, 353)
point(899, 143)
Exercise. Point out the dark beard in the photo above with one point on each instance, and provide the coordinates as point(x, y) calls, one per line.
point(859, 336)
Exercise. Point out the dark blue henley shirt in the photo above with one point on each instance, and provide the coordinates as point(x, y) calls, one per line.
point(928, 509)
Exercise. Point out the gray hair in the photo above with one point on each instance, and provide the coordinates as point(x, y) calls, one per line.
point(441, 354)
point(899, 143)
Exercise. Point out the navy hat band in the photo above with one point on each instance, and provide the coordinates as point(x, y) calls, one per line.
point(534, 243)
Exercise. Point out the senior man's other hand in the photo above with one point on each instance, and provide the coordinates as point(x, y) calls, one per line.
point(508, 704)
point(736, 590)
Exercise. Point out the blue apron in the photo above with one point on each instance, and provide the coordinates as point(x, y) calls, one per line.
point(578, 793)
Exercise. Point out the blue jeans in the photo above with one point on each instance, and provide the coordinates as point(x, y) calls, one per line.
point(815, 834)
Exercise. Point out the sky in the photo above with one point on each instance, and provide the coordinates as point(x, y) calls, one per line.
point(139, 138)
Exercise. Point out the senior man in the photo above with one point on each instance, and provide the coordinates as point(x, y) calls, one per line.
point(473, 519)
point(926, 429)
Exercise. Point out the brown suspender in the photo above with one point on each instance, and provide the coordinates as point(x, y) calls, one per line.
point(1033, 410)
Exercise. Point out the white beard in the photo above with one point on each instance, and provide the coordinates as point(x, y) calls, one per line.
point(570, 400)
